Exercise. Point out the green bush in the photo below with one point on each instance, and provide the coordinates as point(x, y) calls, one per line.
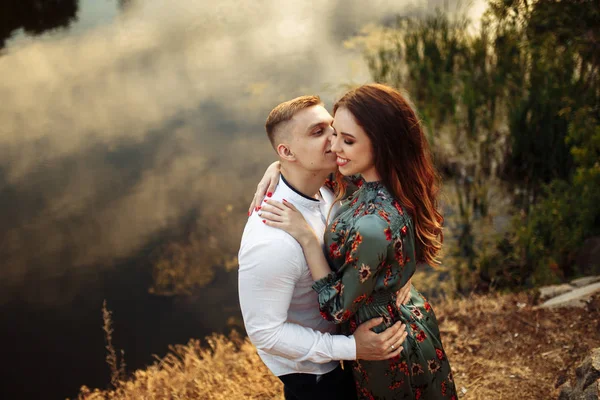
point(568, 212)
point(514, 104)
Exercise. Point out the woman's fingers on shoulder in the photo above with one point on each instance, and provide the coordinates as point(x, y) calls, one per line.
point(268, 208)
point(289, 205)
point(274, 203)
point(261, 189)
point(271, 188)
point(268, 222)
point(256, 201)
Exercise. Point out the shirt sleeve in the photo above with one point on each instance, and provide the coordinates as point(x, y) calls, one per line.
point(342, 292)
point(268, 274)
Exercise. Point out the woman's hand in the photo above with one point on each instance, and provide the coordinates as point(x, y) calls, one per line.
point(285, 216)
point(403, 295)
point(266, 186)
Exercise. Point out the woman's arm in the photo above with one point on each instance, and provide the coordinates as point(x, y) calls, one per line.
point(269, 181)
point(341, 293)
point(266, 186)
point(285, 216)
point(313, 252)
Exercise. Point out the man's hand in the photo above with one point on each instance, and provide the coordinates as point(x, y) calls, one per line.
point(403, 295)
point(379, 346)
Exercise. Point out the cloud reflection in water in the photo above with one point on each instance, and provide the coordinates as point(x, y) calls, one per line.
point(153, 124)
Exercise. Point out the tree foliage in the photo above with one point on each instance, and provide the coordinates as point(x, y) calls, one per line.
point(518, 101)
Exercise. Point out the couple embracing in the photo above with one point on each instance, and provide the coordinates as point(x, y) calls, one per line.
point(326, 259)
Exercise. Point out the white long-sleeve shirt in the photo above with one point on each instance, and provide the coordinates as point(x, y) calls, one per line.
point(279, 307)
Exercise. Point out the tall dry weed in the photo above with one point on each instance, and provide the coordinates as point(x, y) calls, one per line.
point(117, 367)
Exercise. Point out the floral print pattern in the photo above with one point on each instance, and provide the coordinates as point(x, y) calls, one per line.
point(371, 249)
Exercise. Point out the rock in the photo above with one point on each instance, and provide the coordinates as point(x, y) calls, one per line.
point(548, 292)
point(566, 392)
point(574, 298)
point(589, 370)
point(586, 280)
point(592, 392)
point(587, 386)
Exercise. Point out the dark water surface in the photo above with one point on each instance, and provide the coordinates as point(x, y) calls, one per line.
point(49, 353)
point(52, 338)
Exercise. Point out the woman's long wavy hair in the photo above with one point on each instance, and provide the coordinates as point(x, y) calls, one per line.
point(402, 159)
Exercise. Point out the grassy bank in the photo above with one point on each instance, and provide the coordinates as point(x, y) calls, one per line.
point(497, 344)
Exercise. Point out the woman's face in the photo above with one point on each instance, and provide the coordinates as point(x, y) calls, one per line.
point(352, 147)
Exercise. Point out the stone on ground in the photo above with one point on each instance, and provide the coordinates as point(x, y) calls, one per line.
point(574, 298)
point(548, 292)
point(586, 280)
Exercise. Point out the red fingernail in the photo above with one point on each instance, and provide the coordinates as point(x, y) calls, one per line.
point(269, 194)
point(249, 213)
point(266, 200)
point(285, 200)
point(264, 222)
point(257, 208)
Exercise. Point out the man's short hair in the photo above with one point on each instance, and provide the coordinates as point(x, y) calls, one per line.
point(285, 111)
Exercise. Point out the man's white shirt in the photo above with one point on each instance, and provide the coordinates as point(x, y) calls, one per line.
point(279, 306)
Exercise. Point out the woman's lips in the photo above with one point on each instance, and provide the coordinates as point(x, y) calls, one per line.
point(341, 161)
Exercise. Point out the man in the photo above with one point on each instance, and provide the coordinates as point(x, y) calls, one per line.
point(279, 307)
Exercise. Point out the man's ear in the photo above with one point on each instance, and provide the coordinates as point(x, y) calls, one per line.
point(284, 151)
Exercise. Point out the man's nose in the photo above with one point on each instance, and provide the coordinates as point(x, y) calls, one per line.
point(335, 144)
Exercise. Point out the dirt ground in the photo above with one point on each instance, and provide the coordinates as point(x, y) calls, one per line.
point(503, 347)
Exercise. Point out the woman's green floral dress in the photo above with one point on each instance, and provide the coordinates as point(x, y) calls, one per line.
point(371, 250)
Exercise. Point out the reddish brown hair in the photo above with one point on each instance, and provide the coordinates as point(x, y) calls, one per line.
point(402, 159)
point(285, 111)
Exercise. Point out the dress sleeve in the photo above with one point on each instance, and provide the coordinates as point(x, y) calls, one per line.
point(267, 276)
point(342, 292)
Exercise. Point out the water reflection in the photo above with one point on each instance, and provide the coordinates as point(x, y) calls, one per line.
point(124, 4)
point(121, 134)
point(35, 16)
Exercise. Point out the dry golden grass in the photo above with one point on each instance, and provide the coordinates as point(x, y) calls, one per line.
point(228, 369)
point(500, 347)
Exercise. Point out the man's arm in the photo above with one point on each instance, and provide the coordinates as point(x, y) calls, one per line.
point(268, 274)
point(267, 277)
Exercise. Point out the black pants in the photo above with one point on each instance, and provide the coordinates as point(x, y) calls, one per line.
point(334, 385)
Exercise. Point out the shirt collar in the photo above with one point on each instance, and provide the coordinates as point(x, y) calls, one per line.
point(290, 193)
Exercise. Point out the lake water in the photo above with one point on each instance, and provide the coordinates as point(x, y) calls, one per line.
point(131, 139)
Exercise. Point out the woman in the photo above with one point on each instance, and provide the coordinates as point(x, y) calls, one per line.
point(376, 239)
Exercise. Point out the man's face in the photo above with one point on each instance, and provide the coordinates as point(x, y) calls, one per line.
point(310, 141)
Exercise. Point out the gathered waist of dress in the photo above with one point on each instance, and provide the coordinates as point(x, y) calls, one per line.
point(379, 304)
point(383, 304)
point(381, 298)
